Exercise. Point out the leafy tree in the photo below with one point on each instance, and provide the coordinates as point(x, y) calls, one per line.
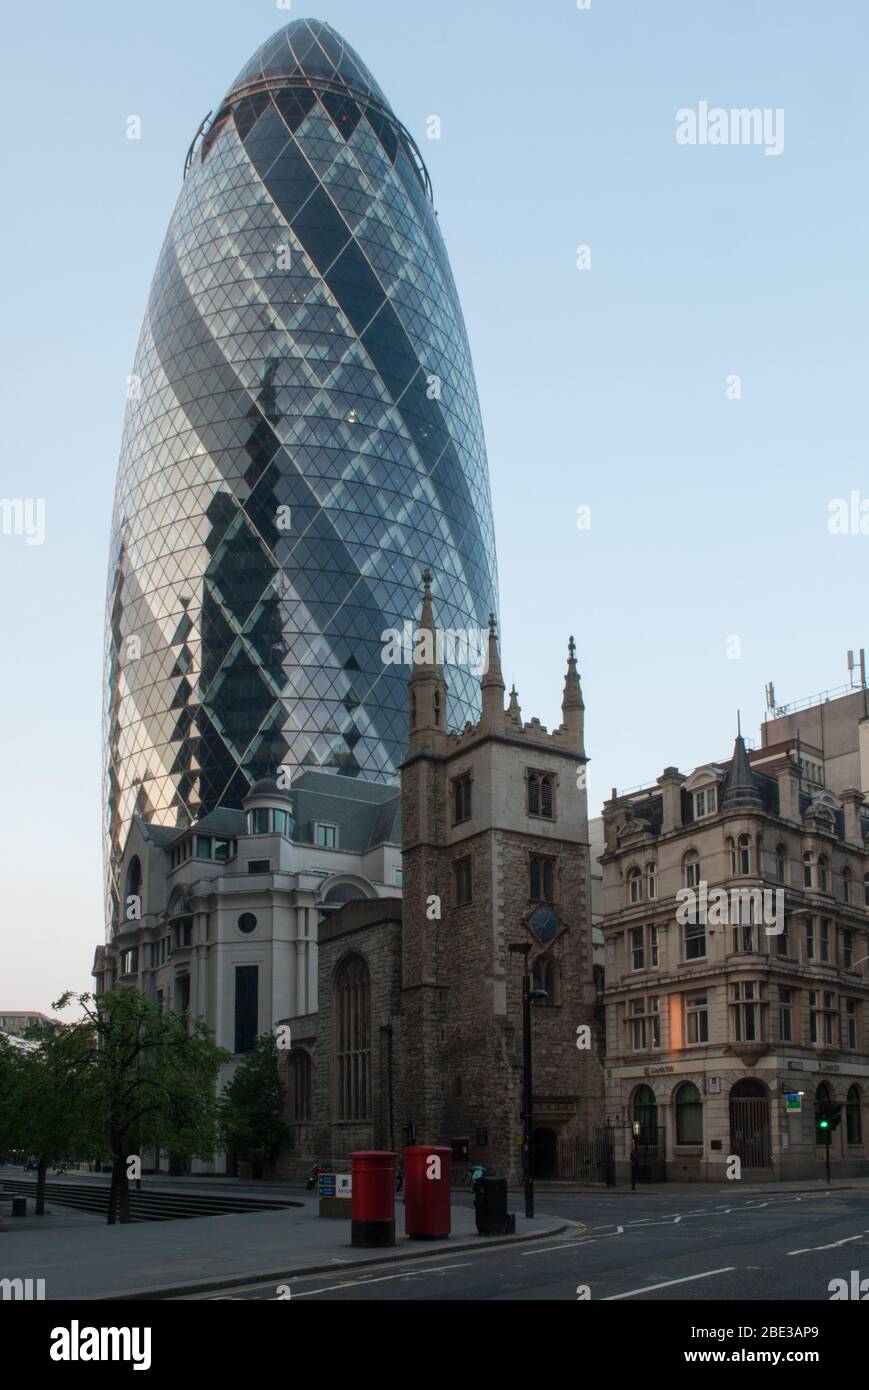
point(252, 1106)
point(151, 1083)
point(44, 1096)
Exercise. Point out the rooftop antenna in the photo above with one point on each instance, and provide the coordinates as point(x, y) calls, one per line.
point(853, 666)
point(769, 691)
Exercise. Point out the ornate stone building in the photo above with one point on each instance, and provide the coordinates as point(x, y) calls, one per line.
point(419, 1030)
point(715, 1016)
point(225, 918)
point(379, 924)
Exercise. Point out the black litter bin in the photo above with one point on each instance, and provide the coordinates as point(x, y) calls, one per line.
point(490, 1207)
point(19, 1206)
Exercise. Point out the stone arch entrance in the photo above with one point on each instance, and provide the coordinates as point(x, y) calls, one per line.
point(545, 1153)
point(749, 1124)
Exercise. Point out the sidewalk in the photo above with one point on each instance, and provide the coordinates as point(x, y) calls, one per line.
point(705, 1189)
point(80, 1257)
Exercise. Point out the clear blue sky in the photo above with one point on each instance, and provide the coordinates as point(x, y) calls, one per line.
point(603, 387)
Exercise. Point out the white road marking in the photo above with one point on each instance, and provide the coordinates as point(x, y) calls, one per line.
point(572, 1244)
point(382, 1279)
point(809, 1249)
point(650, 1288)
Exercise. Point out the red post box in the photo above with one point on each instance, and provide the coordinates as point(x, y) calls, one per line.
point(373, 1200)
point(427, 1191)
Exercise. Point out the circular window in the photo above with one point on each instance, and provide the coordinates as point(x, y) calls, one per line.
point(247, 923)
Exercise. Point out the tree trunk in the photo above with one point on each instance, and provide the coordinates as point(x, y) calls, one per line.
point(113, 1191)
point(123, 1193)
point(41, 1171)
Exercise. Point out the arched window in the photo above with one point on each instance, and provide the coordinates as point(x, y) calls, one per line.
point(651, 880)
point(645, 1109)
point(846, 885)
point(300, 1085)
point(341, 893)
point(745, 854)
point(823, 874)
point(352, 1031)
point(781, 863)
point(689, 1115)
point(808, 870)
point(853, 1122)
point(544, 974)
point(635, 886)
point(691, 869)
point(134, 885)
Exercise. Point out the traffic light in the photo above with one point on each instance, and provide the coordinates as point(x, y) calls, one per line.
point(828, 1115)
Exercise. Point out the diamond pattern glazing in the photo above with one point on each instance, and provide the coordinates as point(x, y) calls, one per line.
point(302, 438)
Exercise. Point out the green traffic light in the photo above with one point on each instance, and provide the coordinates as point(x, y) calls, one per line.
point(824, 1124)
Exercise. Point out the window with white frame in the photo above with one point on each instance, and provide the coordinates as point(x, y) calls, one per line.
point(691, 869)
point(705, 802)
point(744, 857)
point(651, 881)
point(645, 1024)
point(849, 1025)
point(643, 946)
point(821, 1013)
point(846, 948)
point(696, 1017)
point(785, 1014)
point(635, 886)
point(846, 885)
point(747, 1011)
point(638, 948)
point(694, 940)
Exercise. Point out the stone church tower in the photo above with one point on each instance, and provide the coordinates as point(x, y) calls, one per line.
point(495, 853)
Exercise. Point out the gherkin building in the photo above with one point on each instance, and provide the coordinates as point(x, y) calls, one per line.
point(302, 438)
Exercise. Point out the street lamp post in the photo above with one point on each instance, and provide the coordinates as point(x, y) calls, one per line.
point(523, 948)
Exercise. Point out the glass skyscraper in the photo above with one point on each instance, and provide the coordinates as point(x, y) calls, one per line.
point(302, 439)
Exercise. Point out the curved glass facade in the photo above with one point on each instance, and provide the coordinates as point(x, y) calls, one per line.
point(302, 438)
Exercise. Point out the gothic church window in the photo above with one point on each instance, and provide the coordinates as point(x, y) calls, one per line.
point(353, 1040)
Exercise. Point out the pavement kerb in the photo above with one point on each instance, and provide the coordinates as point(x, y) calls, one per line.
point(279, 1276)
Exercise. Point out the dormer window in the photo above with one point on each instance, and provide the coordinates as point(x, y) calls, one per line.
point(325, 836)
point(705, 802)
